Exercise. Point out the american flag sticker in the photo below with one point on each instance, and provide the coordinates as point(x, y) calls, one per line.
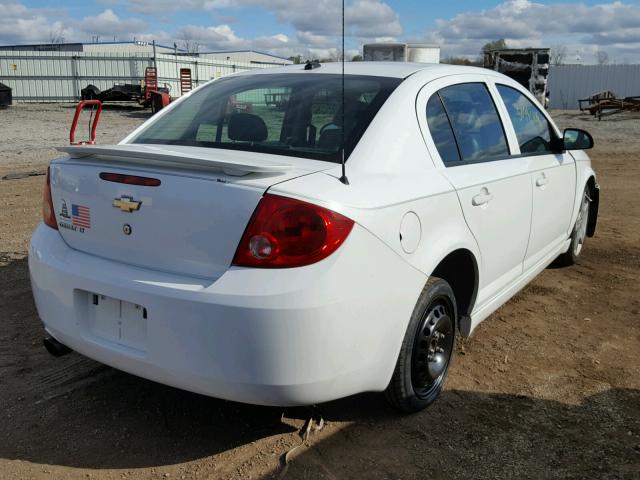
point(80, 216)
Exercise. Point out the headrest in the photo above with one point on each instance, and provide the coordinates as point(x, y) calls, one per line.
point(247, 127)
point(330, 139)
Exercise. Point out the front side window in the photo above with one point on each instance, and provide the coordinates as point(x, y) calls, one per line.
point(531, 126)
point(285, 114)
point(475, 121)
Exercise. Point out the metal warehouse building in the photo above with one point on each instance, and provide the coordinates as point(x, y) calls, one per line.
point(58, 72)
point(250, 56)
point(569, 83)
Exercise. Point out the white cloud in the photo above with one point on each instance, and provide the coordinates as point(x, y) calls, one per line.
point(316, 24)
point(164, 6)
point(312, 28)
point(21, 24)
point(220, 37)
point(582, 28)
point(109, 24)
point(372, 18)
point(319, 21)
point(363, 18)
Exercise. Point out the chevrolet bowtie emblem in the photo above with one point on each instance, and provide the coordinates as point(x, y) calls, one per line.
point(126, 204)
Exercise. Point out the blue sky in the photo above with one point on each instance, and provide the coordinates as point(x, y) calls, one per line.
point(310, 28)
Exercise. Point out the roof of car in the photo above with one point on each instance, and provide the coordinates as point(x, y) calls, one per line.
point(376, 69)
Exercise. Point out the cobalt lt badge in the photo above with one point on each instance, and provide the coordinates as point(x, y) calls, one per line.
point(126, 204)
point(126, 228)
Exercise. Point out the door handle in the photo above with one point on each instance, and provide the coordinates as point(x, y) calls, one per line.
point(542, 180)
point(482, 198)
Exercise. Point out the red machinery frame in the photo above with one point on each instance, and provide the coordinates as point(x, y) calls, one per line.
point(150, 82)
point(94, 124)
point(186, 84)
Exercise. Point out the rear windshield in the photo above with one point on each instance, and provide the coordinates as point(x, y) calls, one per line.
point(286, 114)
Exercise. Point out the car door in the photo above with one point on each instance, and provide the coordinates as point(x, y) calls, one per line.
point(552, 174)
point(466, 136)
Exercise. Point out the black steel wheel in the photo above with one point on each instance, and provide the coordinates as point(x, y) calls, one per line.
point(427, 349)
point(432, 348)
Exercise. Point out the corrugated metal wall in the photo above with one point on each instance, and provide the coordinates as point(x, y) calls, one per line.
point(59, 76)
point(569, 83)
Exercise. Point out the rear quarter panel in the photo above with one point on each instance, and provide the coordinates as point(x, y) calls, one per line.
point(390, 174)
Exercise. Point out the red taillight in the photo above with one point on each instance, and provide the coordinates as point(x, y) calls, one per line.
point(48, 214)
point(129, 179)
point(284, 233)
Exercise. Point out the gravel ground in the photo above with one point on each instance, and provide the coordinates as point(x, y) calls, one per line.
point(547, 387)
point(31, 132)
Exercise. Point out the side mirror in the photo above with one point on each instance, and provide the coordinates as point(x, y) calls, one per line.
point(576, 139)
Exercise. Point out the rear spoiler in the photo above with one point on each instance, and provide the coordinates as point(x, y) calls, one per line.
point(230, 162)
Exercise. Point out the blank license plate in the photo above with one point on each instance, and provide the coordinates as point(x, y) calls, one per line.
point(121, 322)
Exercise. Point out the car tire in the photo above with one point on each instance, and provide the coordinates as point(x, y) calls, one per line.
point(427, 349)
point(578, 234)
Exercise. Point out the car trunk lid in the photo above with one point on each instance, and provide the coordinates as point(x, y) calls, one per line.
point(189, 224)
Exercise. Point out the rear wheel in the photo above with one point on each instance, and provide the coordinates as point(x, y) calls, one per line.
point(426, 350)
point(579, 234)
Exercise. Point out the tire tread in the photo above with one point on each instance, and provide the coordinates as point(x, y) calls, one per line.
point(569, 258)
point(399, 392)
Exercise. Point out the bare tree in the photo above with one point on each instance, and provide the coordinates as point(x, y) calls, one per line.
point(602, 57)
point(188, 43)
point(500, 44)
point(56, 36)
point(558, 54)
point(334, 55)
point(477, 62)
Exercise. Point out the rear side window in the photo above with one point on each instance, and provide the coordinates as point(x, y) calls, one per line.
point(441, 132)
point(475, 121)
point(531, 126)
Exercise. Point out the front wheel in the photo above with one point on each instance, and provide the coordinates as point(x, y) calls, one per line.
point(426, 350)
point(578, 235)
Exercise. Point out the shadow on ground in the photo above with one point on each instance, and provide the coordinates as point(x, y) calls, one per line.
point(74, 412)
point(480, 435)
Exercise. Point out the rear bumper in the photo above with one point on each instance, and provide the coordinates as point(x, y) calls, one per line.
point(272, 337)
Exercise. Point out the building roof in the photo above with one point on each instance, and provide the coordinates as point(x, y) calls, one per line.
point(516, 50)
point(80, 44)
point(242, 51)
point(135, 42)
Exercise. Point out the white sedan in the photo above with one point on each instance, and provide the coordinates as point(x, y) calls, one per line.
point(219, 249)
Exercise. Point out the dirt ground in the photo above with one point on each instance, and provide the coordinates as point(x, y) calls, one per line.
point(547, 387)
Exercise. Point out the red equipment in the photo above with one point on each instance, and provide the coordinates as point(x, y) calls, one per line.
point(154, 96)
point(159, 100)
point(150, 82)
point(93, 126)
point(186, 85)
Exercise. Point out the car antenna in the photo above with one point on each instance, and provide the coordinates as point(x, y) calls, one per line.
point(343, 178)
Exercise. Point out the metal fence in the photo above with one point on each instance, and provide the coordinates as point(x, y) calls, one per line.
point(59, 76)
point(569, 83)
